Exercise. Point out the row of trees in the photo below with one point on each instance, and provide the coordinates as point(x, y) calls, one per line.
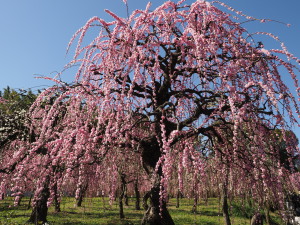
point(183, 92)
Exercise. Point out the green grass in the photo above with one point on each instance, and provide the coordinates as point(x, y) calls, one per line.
point(95, 211)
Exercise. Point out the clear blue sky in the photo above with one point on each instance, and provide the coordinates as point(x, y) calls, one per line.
point(35, 33)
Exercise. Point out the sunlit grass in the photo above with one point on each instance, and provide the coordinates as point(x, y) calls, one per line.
point(98, 211)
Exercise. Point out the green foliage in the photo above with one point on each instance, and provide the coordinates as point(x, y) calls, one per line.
point(16, 100)
point(13, 115)
point(98, 211)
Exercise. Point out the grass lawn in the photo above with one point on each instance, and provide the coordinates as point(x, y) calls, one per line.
point(96, 211)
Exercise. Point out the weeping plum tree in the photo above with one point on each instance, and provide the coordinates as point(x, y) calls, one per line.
point(151, 84)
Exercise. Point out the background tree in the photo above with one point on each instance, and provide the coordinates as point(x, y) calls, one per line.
point(13, 118)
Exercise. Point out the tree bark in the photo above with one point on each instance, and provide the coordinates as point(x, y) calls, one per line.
point(137, 195)
point(19, 199)
point(29, 202)
point(194, 209)
point(121, 196)
point(156, 212)
point(79, 200)
point(56, 201)
point(145, 198)
point(82, 191)
point(121, 211)
point(257, 219)
point(126, 199)
point(178, 196)
point(225, 208)
point(40, 210)
point(267, 214)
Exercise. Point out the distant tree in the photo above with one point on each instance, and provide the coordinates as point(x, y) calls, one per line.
point(16, 100)
point(151, 84)
point(13, 115)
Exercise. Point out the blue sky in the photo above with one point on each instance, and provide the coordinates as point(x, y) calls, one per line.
point(35, 33)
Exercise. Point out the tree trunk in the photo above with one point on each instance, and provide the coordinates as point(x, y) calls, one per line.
point(126, 199)
point(56, 204)
point(225, 208)
point(267, 214)
point(56, 201)
point(29, 202)
point(179, 195)
point(18, 199)
point(257, 219)
point(156, 213)
point(194, 209)
point(145, 198)
point(121, 196)
point(40, 210)
point(80, 197)
point(137, 195)
point(79, 200)
point(121, 211)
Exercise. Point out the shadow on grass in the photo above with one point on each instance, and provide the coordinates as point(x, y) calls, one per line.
point(199, 212)
point(112, 222)
point(98, 215)
point(193, 221)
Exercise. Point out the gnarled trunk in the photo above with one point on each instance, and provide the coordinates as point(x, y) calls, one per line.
point(156, 212)
point(40, 210)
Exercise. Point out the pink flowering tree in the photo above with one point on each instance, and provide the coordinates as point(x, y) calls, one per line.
point(151, 84)
point(186, 71)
